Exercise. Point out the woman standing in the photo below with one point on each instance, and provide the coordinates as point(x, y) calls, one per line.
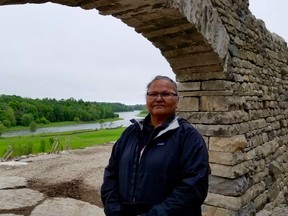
point(159, 166)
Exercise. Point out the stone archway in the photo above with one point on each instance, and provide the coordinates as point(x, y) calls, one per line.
point(233, 79)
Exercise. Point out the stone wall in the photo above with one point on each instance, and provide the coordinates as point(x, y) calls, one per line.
point(243, 116)
point(233, 81)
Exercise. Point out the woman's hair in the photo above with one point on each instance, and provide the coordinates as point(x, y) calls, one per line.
point(159, 77)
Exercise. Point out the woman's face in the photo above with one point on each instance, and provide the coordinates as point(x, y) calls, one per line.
point(161, 99)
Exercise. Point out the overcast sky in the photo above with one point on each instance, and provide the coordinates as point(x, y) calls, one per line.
point(60, 52)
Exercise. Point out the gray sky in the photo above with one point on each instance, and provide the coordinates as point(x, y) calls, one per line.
point(60, 52)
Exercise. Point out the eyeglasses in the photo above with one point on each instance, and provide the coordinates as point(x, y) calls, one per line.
point(163, 95)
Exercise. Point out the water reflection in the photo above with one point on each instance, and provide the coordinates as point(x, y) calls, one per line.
point(126, 116)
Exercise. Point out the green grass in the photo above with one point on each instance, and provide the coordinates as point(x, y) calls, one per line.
point(143, 113)
point(33, 144)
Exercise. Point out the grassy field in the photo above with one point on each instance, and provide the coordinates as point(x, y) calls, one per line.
point(33, 144)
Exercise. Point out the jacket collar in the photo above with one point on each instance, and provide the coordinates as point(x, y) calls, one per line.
point(172, 123)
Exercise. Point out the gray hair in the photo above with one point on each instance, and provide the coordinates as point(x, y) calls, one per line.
point(159, 77)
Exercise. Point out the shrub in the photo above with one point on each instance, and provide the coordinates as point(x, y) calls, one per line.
point(24, 149)
point(77, 119)
point(42, 147)
point(2, 128)
point(51, 141)
point(7, 123)
point(27, 119)
point(42, 120)
point(33, 127)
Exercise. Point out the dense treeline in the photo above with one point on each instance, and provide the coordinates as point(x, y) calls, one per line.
point(15, 110)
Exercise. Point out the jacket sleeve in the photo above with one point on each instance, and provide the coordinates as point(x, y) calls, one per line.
point(192, 187)
point(109, 189)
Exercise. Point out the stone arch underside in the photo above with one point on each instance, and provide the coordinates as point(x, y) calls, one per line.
point(233, 79)
point(190, 36)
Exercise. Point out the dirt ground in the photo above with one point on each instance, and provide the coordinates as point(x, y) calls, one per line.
point(76, 174)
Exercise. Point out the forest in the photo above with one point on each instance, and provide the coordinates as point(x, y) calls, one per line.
point(16, 110)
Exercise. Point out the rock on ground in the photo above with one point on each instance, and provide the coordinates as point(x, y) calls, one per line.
point(63, 184)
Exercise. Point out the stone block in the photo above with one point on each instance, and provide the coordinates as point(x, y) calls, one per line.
point(227, 144)
point(252, 192)
point(228, 187)
point(206, 93)
point(226, 158)
point(215, 117)
point(248, 209)
point(269, 148)
point(206, 72)
point(220, 103)
point(66, 206)
point(231, 172)
point(19, 198)
point(208, 210)
point(273, 191)
point(275, 170)
point(263, 213)
point(226, 202)
point(257, 124)
point(188, 104)
point(212, 85)
point(189, 86)
point(260, 201)
point(8, 182)
point(219, 130)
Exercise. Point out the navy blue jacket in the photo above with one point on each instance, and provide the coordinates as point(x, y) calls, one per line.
point(165, 174)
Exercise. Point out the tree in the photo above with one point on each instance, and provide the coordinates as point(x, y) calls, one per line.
point(42, 120)
point(2, 128)
point(9, 114)
point(22, 111)
point(33, 126)
point(7, 123)
point(27, 119)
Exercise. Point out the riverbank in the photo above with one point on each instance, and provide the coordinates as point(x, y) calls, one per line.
point(122, 121)
point(50, 127)
point(59, 124)
point(55, 142)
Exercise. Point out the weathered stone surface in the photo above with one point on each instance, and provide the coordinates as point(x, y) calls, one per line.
point(263, 213)
point(12, 182)
point(19, 198)
point(206, 72)
point(10, 215)
point(221, 130)
point(188, 104)
point(261, 201)
point(229, 187)
point(226, 202)
point(219, 103)
point(227, 144)
point(248, 209)
point(206, 93)
point(66, 207)
point(211, 27)
point(275, 170)
point(208, 210)
point(281, 210)
point(215, 117)
point(231, 171)
point(189, 86)
point(217, 85)
point(226, 158)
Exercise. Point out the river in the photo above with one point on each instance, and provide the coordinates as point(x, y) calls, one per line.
point(125, 121)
